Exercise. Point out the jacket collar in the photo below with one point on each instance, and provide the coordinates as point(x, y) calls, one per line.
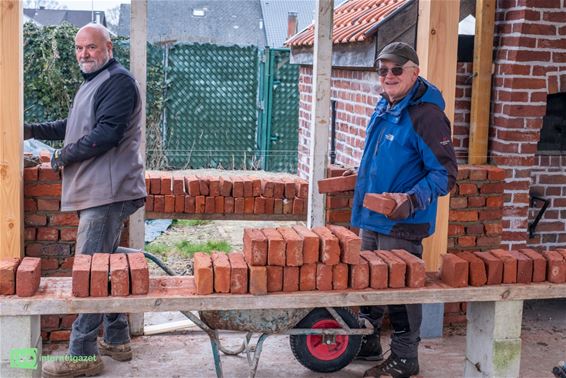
point(395, 109)
point(92, 75)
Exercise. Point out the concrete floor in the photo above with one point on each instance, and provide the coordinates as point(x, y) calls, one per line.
point(188, 353)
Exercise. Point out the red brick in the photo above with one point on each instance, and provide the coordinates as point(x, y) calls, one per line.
point(169, 206)
point(457, 202)
point(274, 278)
point(237, 187)
point(47, 233)
point(31, 174)
point(238, 273)
point(524, 267)
point(166, 184)
point(178, 186)
point(190, 205)
point(159, 203)
point(493, 266)
point(203, 185)
point(323, 277)
point(267, 187)
point(219, 205)
point(35, 220)
point(30, 205)
point(49, 321)
point(467, 189)
point(139, 273)
point(454, 271)
point(154, 183)
point(307, 277)
point(67, 263)
point(379, 203)
point(8, 269)
point(476, 201)
point(255, 247)
point(29, 233)
point(269, 205)
point(276, 247)
point(335, 171)
point(287, 206)
point(277, 206)
point(340, 276)
point(67, 321)
point(359, 275)
point(299, 206)
point(210, 205)
point(119, 275)
point(311, 244)
point(378, 276)
point(249, 203)
point(47, 204)
point(99, 274)
point(239, 203)
point(509, 265)
point(496, 202)
point(179, 203)
point(294, 246)
point(476, 268)
point(395, 267)
point(290, 278)
point(259, 205)
point(556, 267)
point(278, 189)
point(62, 335)
point(81, 276)
point(301, 188)
point(225, 187)
point(493, 229)
point(200, 204)
point(415, 268)
point(48, 174)
point(147, 183)
point(333, 202)
point(28, 275)
point(495, 174)
point(258, 280)
point(221, 266)
point(42, 190)
point(337, 184)
point(329, 246)
point(49, 264)
point(229, 205)
point(204, 276)
point(350, 244)
point(192, 185)
point(539, 264)
point(149, 202)
point(290, 191)
point(478, 173)
point(214, 186)
point(463, 216)
point(256, 187)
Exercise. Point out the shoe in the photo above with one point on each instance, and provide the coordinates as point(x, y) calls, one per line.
point(371, 348)
point(70, 368)
point(396, 367)
point(118, 352)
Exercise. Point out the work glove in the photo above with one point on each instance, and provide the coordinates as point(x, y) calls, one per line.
point(56, 160)
point(28, 134)
point(350, 171)
point(404, 207)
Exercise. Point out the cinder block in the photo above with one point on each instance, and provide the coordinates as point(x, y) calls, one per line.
point(119, 275)
point(329, 246)
point(238, 273)
point(350, 244)
point(81, 276)
point(99, 268)
point(294, 246)
point(221, 266)
point(139, 273)
point(28, 276)
point(204, 277)
point(311, 244)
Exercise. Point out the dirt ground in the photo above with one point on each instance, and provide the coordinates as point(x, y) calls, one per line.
point(188, 353)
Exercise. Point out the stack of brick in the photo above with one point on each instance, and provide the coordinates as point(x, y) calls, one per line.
point(499, 266)
point(129, 274)
point(289, 259)
point(339, 203)
point(169, 193)
point(20, 276)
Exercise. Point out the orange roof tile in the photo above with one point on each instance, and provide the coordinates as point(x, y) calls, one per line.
point(354, 21)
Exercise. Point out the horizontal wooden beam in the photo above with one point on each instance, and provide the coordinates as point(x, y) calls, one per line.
point(232, 216)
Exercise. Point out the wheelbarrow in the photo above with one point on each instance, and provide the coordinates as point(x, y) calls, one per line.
point(324, 339)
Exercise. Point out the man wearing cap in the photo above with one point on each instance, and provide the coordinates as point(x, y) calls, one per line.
point(408, 157)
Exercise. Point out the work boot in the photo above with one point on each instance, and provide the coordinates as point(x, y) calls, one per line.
point(70, 368)
point(394, 366)
point(371, 348)
point(118, 352)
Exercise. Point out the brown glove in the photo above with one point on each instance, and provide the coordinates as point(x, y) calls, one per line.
point(404, 208)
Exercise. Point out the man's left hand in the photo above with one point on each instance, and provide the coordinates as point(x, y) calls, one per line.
point(404, 208)
point(56, 160)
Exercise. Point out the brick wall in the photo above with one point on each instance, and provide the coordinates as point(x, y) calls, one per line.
point(463, 100)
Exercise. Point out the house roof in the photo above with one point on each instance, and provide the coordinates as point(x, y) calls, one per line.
point(78, 18)
point(354, 21)
point(222, 22)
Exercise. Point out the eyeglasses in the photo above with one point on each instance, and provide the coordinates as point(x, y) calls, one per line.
point(396, 70)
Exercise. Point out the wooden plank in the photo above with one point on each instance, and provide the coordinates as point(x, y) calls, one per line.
point(54, 297)
point(11, 131)
point(437, 46)
point(322, 71)
point(138, 67)
point(481, 82)
point(215, 216)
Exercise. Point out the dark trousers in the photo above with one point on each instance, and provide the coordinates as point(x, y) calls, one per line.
point(405, 319)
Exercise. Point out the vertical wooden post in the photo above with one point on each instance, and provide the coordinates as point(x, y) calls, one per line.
point(481, 84)
point(138, 67)
point(11, 129)
point(437, 47)
point(322, 71)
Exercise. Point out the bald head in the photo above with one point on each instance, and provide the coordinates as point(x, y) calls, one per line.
point(93, 47)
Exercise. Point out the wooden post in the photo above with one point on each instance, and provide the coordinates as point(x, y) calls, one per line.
point(11, 129)
point(481, 84)
point(437, 46)
point(322, 71)
point(138, 67)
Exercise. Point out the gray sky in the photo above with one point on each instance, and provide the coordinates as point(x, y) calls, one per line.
point(103, 5)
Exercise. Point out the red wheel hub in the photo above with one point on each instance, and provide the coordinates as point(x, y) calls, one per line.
point(323, 351)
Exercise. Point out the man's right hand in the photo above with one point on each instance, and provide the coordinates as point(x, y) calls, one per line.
point(350, 171)
point(28, 134)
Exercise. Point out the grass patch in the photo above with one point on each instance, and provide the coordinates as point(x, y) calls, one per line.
point(190, 249)
point(190, 222)
point(157, 248)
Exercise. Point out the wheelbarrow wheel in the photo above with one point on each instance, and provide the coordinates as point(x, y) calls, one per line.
point(326, 356)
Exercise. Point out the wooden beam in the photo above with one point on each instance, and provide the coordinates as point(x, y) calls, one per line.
point(437, 46)
point(322, 71)
point(481, 83)
point(138, 67)
point(11, 129)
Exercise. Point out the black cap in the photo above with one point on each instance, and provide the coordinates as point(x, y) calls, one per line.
point(399, 52)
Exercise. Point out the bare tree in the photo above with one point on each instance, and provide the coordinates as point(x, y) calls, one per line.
point(47, 4)
point(113, 18)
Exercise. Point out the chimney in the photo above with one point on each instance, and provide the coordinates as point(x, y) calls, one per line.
point(292, 24)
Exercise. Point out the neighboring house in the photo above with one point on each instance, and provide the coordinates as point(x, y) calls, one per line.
point(221, 22)
point(78, 18)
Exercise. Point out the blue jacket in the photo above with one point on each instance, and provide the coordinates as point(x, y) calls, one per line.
point(409, 150)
